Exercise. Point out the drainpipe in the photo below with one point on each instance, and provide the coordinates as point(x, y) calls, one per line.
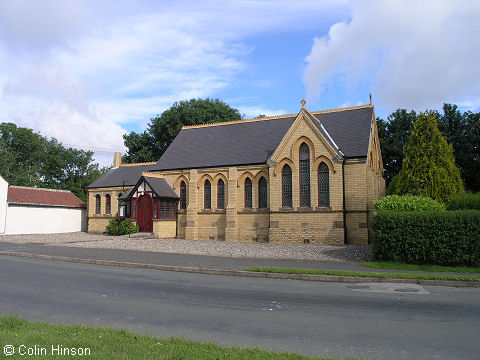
point(344, 207)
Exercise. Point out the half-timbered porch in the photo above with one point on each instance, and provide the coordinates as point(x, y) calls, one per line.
point(152, 203)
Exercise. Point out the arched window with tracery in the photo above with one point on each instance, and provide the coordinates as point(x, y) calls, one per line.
point(98, 204)
point(207, 195)
point(108, 204)
point(262, 193)
point(220, 194)
point(287, 186)
point(248, 193)
point(323, 185)
point(304, 175)
point(183, 195)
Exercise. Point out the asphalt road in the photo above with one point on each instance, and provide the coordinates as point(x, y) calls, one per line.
point(323, 319)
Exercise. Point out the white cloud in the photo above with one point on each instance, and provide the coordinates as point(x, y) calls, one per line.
point(83, 70)
point(414, 54)
point(251, 112)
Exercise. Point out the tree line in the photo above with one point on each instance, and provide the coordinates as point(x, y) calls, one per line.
point(30, 159)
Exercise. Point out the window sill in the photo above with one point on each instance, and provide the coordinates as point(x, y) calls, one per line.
point(323, 208)
point(304, 209)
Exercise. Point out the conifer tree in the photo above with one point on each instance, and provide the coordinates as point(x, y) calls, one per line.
point(428, 168)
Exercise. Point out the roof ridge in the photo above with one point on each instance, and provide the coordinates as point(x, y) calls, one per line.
point(43, 189)
point(346, 108)
point(138, 164)
point(243, 121)
point(152, 175)
point(83, 204)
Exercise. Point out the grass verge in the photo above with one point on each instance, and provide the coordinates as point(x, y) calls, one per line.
point(367, 274)
point(108, 343)
point(431, 268)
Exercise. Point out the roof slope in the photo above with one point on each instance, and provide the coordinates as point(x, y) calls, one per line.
point(160, 187)
point(124, 175)
point(350, 129)
point(46, 197)
point(247, 142)
point(233, 144)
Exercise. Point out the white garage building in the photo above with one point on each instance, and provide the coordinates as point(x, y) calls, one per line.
point(27, 210)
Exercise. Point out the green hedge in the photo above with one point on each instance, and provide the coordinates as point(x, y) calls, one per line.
point(450, 238)
point(465, 202)
point(407, 203)
point(122, 227)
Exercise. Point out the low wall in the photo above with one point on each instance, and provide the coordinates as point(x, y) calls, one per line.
point(164, 228)
point(27, 219)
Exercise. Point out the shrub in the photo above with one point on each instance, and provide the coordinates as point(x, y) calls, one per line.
point(450, 238)
point(465, 202)
point(407, 203)
point(122, 227)
point(392, 186)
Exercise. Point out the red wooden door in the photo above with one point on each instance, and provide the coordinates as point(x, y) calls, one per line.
point(144, 213)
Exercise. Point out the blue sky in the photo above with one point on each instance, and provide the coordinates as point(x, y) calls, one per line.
point(86, 72)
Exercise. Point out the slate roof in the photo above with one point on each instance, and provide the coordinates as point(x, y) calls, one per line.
point(43, 197)
point(121, 176)
point(254, 141)
point(159, 186)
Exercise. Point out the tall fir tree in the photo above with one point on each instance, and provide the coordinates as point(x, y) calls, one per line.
point(428, 168)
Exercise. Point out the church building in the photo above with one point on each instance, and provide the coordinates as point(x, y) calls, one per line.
point(309, 177)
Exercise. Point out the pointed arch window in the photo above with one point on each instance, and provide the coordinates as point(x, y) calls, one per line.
point(183, 195)
point(304, 175)
point(323, 185)
point(108, 204)
point(248, 193)
point(220, 194)
point(287, 186)
point(98, 203)
point(262, 193)
point(207, 195)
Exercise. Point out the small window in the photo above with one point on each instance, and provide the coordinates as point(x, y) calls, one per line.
point(108, 204)
point(98, 204)
point(287, 186)
point(262, 193)
point(162, 209)
point(220, 194)
point(248, 193)
point(174, 210)
point(155, 208)
point(167, 210)
point(207, 195)
point(323, 186)
point(134, 207)
point(183, 195)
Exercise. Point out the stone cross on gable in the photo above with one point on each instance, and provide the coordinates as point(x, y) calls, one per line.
point(303, 102)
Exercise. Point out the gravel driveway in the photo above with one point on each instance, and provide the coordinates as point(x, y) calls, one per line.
point(335, 253)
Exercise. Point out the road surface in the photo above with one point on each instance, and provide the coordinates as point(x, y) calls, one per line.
point(378, 321)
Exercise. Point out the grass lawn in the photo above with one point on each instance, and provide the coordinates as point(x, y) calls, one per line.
point(108, 343)
point(378, 275)
point(432, 268)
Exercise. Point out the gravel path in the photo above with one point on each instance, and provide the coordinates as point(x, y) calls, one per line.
point(335, 253)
